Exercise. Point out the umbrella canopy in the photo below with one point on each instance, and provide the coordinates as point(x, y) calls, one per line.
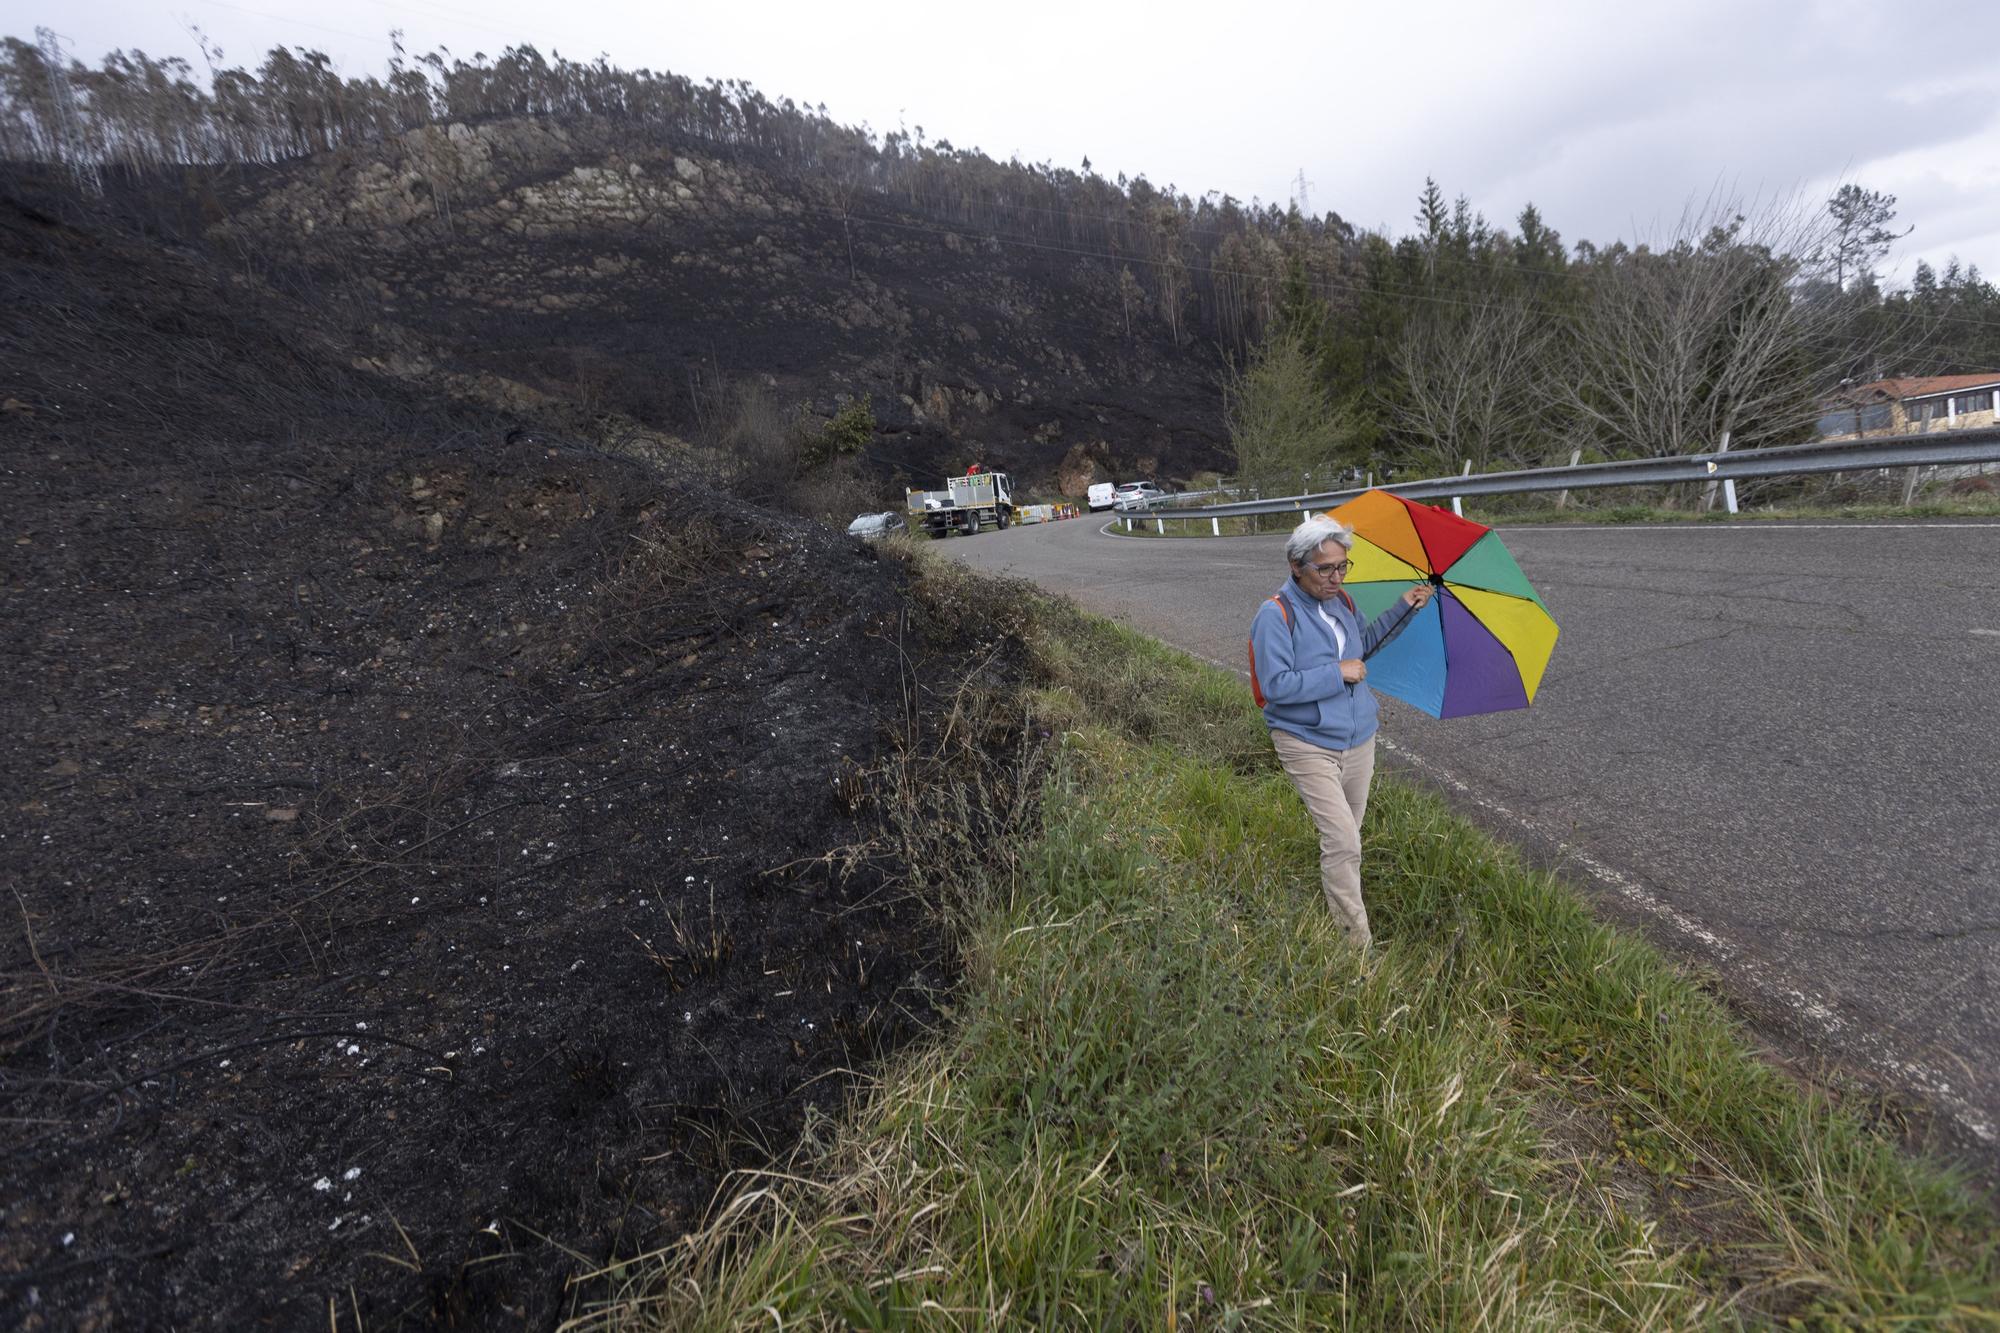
point(1482, 642)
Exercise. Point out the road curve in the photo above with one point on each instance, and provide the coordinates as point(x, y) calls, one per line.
point(1768, 744)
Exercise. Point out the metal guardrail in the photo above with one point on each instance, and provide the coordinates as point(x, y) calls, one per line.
point(1972, 445)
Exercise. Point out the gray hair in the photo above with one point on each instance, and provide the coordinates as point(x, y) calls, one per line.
point(1314, 533)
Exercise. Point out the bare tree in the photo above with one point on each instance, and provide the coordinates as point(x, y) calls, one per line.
point(847, 163)
point(68, 134)
point(1709, 334)
point(1130, 295)
point(1170, 252)
point(1474, 378)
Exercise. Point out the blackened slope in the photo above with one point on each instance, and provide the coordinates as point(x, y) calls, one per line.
point(597, 265)
point(422, 826)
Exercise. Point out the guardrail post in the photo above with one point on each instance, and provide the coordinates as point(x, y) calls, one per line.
point(1456, 507)
point(1728, 486)
point(1215, 527)
point(1575, 457)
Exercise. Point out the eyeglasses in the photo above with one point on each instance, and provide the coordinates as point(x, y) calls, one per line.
point(1339, 567)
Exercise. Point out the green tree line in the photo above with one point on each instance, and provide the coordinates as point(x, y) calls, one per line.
point(1462, 343)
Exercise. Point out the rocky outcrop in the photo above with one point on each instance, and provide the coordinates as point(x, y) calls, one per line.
point(505, 256)
point(1083, 467)
point(514, 175)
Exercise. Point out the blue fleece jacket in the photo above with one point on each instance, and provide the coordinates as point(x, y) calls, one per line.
point(1298, 670)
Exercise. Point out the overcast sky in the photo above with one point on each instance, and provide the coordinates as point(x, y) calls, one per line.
point(1608, 117)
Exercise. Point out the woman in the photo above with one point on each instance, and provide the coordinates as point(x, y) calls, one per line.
point(1307, 669)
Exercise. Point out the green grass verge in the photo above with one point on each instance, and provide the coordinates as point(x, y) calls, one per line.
point(1171, 1096)
point(1245, 525)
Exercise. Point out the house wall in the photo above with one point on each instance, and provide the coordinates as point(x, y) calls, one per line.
point(1901, 423)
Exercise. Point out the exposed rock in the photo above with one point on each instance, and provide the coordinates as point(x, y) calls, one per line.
point(656, 256)
point(1081, 468)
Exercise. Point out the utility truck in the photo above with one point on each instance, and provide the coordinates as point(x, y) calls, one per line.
point(966, 504)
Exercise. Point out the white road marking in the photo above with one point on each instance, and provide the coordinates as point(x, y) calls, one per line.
point(1993, 632)
point(1859, 525)
point(1813, 1012)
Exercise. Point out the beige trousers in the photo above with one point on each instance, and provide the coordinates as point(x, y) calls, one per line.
point(1334, 784)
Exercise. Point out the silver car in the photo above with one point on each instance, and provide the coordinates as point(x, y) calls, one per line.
point(1135, 495)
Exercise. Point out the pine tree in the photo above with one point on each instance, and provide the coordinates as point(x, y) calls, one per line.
point(1862, 233)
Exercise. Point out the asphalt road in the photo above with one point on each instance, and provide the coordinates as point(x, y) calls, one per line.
point(1770, 745)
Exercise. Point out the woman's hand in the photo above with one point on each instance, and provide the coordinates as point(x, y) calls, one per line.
point(1352, 669)
point(1418, 595)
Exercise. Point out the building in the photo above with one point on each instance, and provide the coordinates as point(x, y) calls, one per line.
point(1911, 405)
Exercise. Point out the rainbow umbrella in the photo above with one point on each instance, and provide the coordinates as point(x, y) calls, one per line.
point(1482, 642)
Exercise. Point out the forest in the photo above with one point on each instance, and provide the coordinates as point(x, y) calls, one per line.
point(1459, 341)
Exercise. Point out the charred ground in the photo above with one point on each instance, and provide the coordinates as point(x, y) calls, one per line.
point(440, 850)
point(580, 258)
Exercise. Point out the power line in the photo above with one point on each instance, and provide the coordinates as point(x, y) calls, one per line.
point(279, 18)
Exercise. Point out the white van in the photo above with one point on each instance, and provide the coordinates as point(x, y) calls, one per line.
point(1102, 495)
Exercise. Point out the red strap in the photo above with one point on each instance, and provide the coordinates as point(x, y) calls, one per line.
point(1256, 689)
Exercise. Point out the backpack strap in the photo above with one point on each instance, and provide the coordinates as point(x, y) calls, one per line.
point(1256, 689)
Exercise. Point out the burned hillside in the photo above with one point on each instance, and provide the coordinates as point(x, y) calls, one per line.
point(620, 270)
point(440, 849)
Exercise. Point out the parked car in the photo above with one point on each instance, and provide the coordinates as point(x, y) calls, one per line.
point(1135, 495)
point(883, 524)
point(1102, 495)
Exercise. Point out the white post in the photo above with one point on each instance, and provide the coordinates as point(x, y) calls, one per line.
point(1708, 492)
point(1910, 484)
point(1456, 507)
point(1562, 500)
point(1215, 526)
point(1161, 525)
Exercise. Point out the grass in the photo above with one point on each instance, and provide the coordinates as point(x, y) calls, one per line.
point(1172, 1097)
point(1243, 525)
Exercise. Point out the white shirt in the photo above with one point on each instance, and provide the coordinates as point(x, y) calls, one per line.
point(1339, 634)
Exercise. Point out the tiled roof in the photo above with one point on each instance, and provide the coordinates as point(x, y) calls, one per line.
point(1921, 386)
